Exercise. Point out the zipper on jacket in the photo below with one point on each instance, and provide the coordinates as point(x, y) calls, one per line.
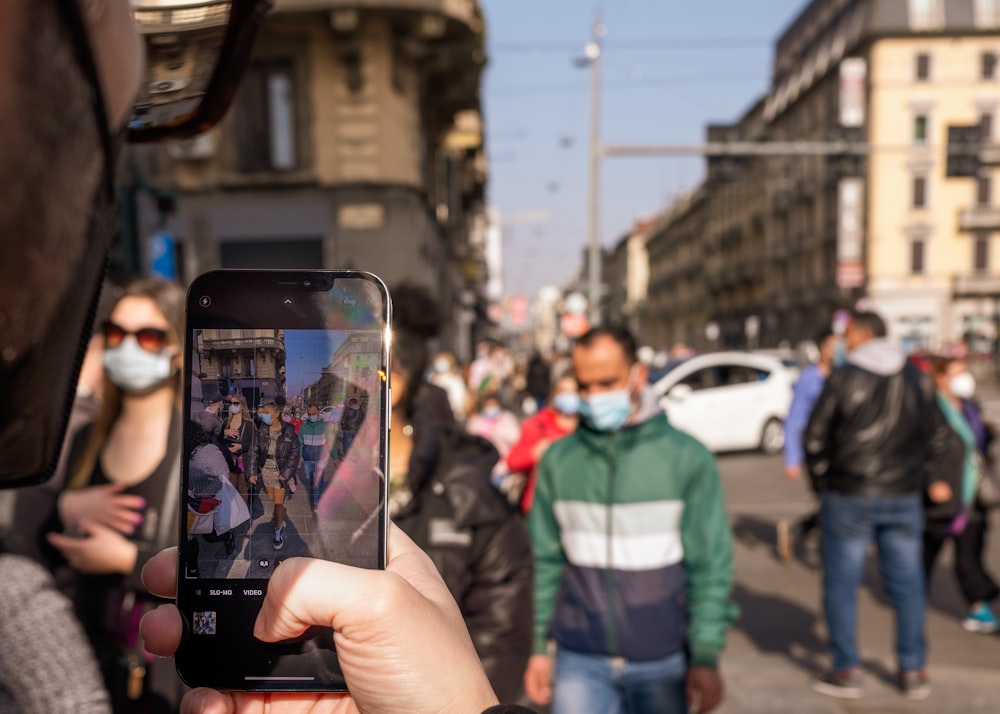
point(611, 631)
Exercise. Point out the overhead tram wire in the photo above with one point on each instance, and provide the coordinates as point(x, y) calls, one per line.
point(667, 44)
point(564, 87)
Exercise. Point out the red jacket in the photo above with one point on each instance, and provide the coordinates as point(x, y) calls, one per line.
point(541, 426)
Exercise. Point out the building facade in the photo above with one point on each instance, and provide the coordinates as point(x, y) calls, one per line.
point(786, 238)
point(247, 362)
point(355, 142)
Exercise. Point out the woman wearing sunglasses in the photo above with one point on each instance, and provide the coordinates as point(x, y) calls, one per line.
point(120, 503)
point(238, 435)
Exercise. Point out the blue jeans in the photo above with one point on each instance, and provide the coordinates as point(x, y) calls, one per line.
point(314, 477)
point(849, 523)
point(611, 685)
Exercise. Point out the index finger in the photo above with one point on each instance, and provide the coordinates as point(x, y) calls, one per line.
point(129, 501)
point(159, 575)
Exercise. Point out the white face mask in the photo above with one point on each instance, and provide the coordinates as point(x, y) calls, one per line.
point(963, 385)
point(442, 366)
point(133, 369)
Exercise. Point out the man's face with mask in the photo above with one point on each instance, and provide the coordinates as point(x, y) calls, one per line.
point(56, 218)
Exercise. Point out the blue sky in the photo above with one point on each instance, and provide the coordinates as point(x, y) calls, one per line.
point(669, 67)
point(307, 353)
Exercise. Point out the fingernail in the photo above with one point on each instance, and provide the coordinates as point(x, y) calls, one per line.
point(77, 520)
point(142, 503)
point(137, 519)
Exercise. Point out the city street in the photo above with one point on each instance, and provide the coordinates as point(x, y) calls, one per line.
point(779, 644)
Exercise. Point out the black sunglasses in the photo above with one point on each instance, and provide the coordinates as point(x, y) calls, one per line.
point(151, 339)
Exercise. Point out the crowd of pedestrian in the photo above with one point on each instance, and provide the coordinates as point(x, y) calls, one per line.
point(897, 452)
point(584, 538)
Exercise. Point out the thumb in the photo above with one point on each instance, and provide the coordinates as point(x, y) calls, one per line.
point(207, 701)
point(299, 596)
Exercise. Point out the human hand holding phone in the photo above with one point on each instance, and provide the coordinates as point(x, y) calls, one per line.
point(401, 640)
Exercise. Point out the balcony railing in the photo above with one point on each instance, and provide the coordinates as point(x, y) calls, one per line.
point(976, 285)
point(463, 11)
point(156, 18)
point(979, 218)
point(242, 343)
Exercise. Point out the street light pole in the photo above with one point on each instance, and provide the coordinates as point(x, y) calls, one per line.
point(593, 55)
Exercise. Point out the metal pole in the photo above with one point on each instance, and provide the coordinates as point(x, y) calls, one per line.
point(594, 198)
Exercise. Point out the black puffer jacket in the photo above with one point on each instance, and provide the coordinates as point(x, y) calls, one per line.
point(876, 428)
point(479, 544)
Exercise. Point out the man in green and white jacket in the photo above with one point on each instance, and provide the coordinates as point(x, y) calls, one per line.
point(633, 551)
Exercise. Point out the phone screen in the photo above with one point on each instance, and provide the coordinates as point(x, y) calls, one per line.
point(285, 454)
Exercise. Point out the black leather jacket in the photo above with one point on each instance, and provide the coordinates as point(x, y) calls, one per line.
point(877, 432)
point(286, 452)
point(478, 542)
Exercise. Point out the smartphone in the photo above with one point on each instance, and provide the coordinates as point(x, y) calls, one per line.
point(286, 390)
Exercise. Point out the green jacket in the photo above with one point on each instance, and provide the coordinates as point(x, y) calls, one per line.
point(632, 545)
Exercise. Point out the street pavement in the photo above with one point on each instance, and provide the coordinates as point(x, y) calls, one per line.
point(254, 555)
point(779, 644)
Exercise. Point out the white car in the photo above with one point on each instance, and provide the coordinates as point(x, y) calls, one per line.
point(730, 401)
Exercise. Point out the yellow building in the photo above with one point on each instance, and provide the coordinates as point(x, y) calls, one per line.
point(932, 262)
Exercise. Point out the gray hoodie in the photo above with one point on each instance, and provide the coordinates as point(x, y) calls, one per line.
point(879, 356)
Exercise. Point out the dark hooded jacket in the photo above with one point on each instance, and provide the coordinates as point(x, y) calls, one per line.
point(876, 428)
point(478, 542)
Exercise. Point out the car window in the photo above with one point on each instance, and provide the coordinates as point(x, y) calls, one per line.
point(734, 374)
point(704, 378)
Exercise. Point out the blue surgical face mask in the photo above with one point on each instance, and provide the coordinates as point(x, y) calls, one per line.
point(608, 411)
point(567, 402)
point(266, 418)
point(491, 412)
point(133, 369)
point(313, 418)
point(235, 409)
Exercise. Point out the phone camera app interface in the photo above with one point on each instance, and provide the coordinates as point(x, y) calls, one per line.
point(284, 443)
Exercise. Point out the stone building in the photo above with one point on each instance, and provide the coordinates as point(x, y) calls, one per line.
point(779, 242)
point(355, 141)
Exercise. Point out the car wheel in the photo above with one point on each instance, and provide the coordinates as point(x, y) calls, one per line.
point(772, 438)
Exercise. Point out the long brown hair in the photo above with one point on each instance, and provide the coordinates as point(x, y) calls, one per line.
point(244, 409)
point(169, 300)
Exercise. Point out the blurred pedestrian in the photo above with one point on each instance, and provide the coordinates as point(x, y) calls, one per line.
point(494, 423)
point(633, 551)
point(874, 438)
point(211, 417)
point(274, 460)
point(955, 391)
point(46, 663)
point(208, 479)
point(442, 498)
point(314, 450)
point(481, 368)
point(351, 420)
point(446, 374)
point(538, 379)
point(554, 421)
point(805, 393)
point(34, 512)
point(121, 504)
point(238, 434)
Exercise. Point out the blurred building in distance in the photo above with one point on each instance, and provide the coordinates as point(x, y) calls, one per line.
point(769, 246)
